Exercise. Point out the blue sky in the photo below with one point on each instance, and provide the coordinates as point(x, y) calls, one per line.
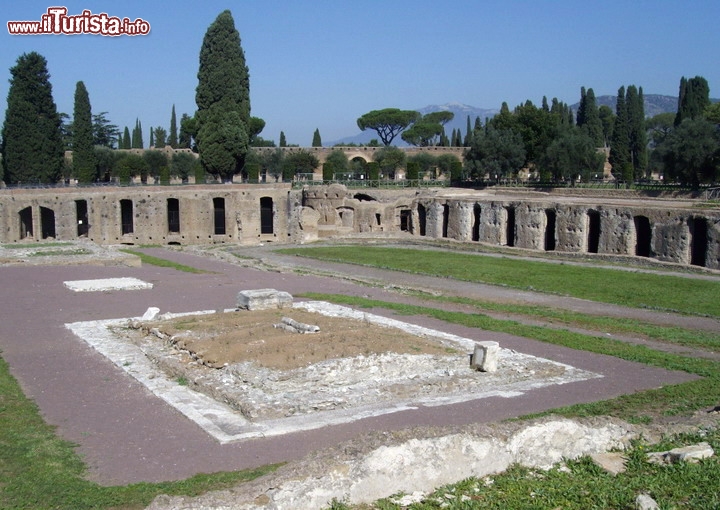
point(323, 63)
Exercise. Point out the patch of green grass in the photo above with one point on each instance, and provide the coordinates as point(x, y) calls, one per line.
point(182, 381)
point(675, 399)
point(25, 246)
point(604, 325)
point(38, 470)
point(53, 253)
point(625, 288)
point(157, 261)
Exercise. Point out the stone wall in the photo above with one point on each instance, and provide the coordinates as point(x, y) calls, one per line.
point(250, 214)
point(202, 214)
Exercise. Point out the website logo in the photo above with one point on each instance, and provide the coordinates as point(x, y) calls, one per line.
point(56, 21)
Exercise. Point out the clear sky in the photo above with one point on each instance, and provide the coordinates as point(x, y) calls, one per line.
point(323, 63)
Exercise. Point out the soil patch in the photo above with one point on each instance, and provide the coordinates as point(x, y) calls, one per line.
point(223, 339)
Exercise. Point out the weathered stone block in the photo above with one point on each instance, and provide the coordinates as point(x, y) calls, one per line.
point(263, 299)
point(485, 356)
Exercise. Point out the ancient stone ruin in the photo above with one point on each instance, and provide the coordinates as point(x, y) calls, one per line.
point(613, 225)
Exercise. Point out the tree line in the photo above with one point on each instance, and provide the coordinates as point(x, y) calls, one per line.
point(550, 141)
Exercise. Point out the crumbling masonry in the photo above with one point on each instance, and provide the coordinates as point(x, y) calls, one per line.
point(666, 230)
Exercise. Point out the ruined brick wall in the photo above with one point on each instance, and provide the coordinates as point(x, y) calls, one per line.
point(199, 214)
point(251, 214)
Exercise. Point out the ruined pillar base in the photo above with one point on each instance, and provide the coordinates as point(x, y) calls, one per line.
point(485, 356)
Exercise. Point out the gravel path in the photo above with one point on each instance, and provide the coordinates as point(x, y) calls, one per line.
point(126, 434)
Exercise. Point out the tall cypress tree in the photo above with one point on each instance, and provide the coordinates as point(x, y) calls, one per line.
point(592, 119)
point(637, 135)
point(126, 140)
point(137, 136)
point(173, 134)
point(283, 141)
point(223, 100)
point(620, 144)
point(316, 141)
point(152, 138)
point(694, 97)
point(32, 145)
point(84, 160)
point(581, 107)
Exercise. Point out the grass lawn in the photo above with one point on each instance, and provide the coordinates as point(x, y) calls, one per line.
point(626, 288)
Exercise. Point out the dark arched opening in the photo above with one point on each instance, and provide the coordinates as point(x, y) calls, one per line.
point(699, 241)
point(47, 222)
point(26, 222)
point(126, 216)
point(550, 222)
point(81, 216)
point(445, 219)
point(266, 215)
point(219, 216)
point(510, 226)
point(477, 210)
point(643, 236)
point(593, 238)
point(173, 214)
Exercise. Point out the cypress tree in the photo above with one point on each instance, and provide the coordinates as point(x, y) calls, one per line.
point(173, 135)
point(637, 135)
point(126, 140)
point(84, 160)
point(32, 145)
point(694, 97)
point(467, 142)
point(581, 107)
point(283, 142)
point(592, 119)
point(152, 138)
point(620, 144)
point(223, 100)
point(137, 136)
point(316, 141)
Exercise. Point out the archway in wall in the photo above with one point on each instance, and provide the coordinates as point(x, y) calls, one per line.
point(550, 226)
point(405, 220)
point(422, 218)
point(47, 222)
point(593, 238)
point(219, 216)
point(126, 216)
point(477, 211)
point(445, 219)
point(26, 223)
point(173, 214)
point(510, 226)
point(81, 217)
point(699, 241)
point(643, 236)
point(266, 215)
